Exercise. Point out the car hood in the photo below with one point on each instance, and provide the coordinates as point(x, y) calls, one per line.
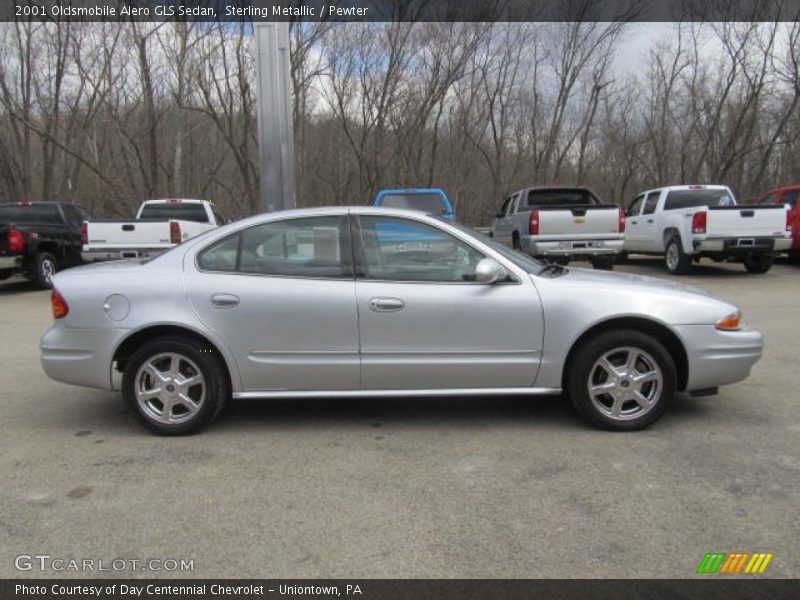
point(607, 294)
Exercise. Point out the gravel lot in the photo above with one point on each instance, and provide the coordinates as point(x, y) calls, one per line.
point(486, 487)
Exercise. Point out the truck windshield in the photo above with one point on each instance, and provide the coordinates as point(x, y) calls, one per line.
point(29, 213)
point(692, 198)
point(564, 197)
point(175, 210)
point(430, 203)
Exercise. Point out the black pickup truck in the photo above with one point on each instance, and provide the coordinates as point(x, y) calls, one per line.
point(39, 238)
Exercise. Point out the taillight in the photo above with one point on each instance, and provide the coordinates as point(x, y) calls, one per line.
point(621, 221)
point(59, 305)
point(699, 222)
point(174, 232)
point(84, 233)
point(533, 226)
point(15, 241)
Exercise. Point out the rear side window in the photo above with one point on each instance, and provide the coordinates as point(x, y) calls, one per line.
point(430, 203)
point(309, 247)
point(565, 197)
point(175, 210)
point(30, 213)
point(691, 198)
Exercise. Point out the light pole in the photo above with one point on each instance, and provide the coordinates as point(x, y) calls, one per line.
point(275, 128)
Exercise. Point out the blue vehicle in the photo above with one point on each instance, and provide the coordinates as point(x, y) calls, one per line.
point(430, 200)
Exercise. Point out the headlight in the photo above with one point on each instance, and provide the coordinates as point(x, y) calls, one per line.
point(731, 322)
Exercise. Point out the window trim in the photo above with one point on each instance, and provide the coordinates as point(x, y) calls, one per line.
point(345, 247)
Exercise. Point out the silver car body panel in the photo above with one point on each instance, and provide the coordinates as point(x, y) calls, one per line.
point(292, 336)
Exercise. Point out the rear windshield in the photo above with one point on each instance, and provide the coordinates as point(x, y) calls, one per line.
point(33, 213)
point(175, 210)
point(691, 198)
point(564, 197)
point(431, 203)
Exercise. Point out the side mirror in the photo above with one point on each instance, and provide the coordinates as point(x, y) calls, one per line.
point(489, 271)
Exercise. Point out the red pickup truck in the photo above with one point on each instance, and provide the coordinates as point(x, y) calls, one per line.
point(787, 195)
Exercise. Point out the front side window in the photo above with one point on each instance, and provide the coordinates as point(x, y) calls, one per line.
point(635, 206)
point(403, 250)
point(309, 247)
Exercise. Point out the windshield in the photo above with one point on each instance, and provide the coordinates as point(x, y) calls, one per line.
point(692, 198)
point(523, 261)
point(431, 203)
point(29, 213)
point(175, 210)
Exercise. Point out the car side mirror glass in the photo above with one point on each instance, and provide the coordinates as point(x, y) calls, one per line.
point(489, 271)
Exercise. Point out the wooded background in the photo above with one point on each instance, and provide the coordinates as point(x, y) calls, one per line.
point(107, 115)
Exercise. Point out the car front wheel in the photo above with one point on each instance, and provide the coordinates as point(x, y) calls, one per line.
point(174, 385)
point(621, 380)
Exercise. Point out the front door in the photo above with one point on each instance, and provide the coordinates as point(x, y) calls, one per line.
point(425, 323)
point(282, 296)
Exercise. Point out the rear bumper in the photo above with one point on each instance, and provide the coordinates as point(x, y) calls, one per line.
point(574, 247)
point(719, 357)
point(79, 356)
point(10, 262)
point(125, 254)
point(742, 246)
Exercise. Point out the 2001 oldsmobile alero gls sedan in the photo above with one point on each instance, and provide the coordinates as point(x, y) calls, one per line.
point(343, 302)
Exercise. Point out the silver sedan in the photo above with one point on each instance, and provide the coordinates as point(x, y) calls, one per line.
point(344, 302)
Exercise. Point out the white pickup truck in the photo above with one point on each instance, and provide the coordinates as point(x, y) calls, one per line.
point(561, 223)
point(687, 222)
point(159, 225)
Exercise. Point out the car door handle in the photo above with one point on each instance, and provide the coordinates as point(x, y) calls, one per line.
point(650, 221)
point(386, 304)
point(633, 222)
point(225, 300)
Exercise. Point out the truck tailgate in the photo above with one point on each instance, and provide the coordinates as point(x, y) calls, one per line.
point(578, 222)
point(122, 235)
point(746, 221)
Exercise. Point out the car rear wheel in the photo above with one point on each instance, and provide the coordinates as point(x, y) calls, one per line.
point(676, 261)
point(175, 386)
point(621, 380)
point(603, 263)
point(759, 264)
point(43, 270)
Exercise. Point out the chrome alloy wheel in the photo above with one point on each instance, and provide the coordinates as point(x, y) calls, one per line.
point(169, 388)
point(625, 383)
point(673, 257)
point(47, 270)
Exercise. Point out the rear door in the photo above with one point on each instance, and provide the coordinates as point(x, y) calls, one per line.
point(649, 239)
point(282, 296)
point(425, 323)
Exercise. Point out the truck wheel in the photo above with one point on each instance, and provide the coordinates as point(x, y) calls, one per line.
point(759, 264)
point(603, 263)
point(515, 243)
point(622, 258)
point(43, 269)
point(621, 380)
point(172, 387)
point(675, 259)
point(6, 274)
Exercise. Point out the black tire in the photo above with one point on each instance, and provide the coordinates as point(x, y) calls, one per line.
point(44, 267)
point(676, 261)
point(583, 370)
point(794, 256)
point(515, 243)
point(622, 258)
point(759, 263)
point(206, 360)
point(604, 263)
point(6, 274)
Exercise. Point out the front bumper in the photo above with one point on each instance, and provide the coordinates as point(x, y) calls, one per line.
point(575, 247)
point(719, 357)
point(80, 356)
point(10, 262)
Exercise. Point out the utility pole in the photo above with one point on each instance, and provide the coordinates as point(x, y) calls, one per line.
point(275, 127)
